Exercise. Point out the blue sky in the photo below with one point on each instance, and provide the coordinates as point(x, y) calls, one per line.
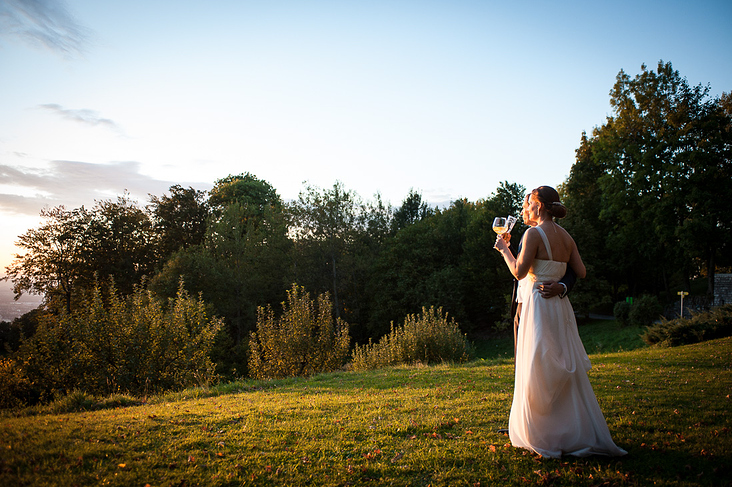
point(445, 97)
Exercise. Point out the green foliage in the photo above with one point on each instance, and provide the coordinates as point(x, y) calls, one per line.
point(413, 209)
point(242, 264)
point(642, 195)
point(78, 400)
point(113, 344)
point(428, 338)
point(621, 311)
point(179, 219)
point(61, 257)
point(256, 195)
point(447, 260)
point(303, 341)
point(11, 333)
point(645, 310)
point(54, 254)
point(327, 224)
point(708, 325)
point(15, 388)
point(642, 312)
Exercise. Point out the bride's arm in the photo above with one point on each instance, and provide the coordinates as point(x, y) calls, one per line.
point(519, 266)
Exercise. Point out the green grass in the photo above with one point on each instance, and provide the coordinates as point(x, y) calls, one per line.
point(401, 426)
point(598, 336)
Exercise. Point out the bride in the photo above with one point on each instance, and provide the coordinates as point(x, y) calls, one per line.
point(554, 411)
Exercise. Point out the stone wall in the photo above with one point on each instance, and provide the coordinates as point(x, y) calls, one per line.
point(722, 289)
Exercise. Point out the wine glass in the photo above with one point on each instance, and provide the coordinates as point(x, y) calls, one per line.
point(503, 225)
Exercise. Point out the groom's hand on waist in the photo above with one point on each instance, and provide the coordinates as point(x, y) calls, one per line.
point(549, 289)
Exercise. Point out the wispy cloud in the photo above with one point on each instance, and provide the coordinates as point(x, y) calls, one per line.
point(83, 116)
point(44, 23)
point(72, 184)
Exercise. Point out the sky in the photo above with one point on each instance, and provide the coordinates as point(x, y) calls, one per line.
point(447, 98)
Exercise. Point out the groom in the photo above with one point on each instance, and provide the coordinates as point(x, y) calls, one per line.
point(547, 289)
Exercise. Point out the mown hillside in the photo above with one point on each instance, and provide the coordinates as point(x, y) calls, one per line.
point(416, 425)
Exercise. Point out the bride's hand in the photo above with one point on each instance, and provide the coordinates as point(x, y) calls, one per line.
point(501, 243)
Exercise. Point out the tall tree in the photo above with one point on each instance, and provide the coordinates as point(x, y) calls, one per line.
point(326, 222)
point(645, 181)
point(255, 195)
point(121, 243)
point(179, 219)
point(241, 264)
point(55, 254)
point(446, 260)
point(64, 254)
point(413, 209)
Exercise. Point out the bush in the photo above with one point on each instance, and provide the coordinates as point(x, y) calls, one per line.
point(645, 310)
point(428, 338)
point(709, 325)
point(621, 311)
point(15, 388)
point(305, 340)
point(132, 344)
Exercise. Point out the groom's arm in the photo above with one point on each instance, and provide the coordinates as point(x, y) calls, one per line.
point(559, 288)
point(568, 281)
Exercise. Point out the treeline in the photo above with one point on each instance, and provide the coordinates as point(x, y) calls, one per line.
point(240, 247)
point(647, 200)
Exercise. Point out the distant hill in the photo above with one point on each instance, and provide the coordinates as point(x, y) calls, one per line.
point(11, 309)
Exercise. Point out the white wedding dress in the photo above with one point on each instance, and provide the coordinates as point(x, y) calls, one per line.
point(554, 411)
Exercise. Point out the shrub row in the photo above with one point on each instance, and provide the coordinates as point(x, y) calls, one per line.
point(303, 341)
point(427, 338)
point(139, 345)
point(708, 325)
point(113, 344)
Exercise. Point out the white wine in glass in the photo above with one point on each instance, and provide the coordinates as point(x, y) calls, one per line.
point(499, 225)
point(503, 225)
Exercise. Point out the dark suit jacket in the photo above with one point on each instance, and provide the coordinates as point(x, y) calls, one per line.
point(568, 279)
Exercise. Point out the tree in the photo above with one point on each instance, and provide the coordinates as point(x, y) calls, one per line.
point(121, 243)
point(326, 223)
point(54, 262)
point(445, 259)
point(413, 209)
point(254, 194)
point(241, 264)
point(179, 220)
point(64, 254)
point(644, 183)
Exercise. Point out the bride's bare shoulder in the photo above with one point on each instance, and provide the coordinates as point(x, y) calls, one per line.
point(564, 231)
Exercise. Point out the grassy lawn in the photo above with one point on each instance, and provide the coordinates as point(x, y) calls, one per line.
point(670, 408)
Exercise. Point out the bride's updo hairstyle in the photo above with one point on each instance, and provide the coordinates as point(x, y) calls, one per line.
point(549, 197)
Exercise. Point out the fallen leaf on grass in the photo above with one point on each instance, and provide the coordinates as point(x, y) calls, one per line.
point(397, 457)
